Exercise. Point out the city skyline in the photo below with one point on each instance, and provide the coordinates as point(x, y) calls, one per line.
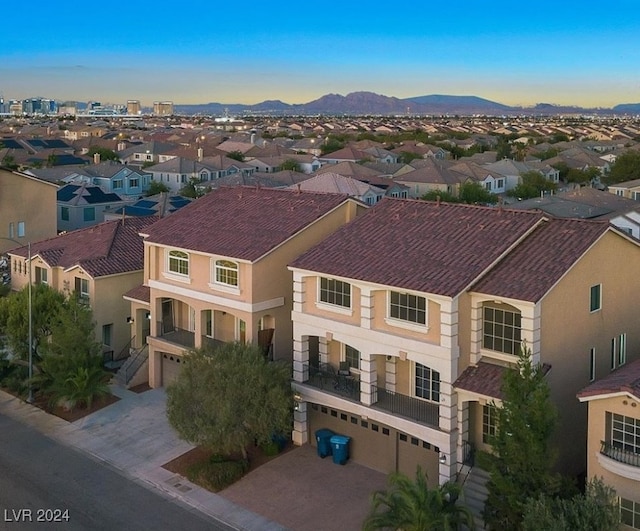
point(551, 54)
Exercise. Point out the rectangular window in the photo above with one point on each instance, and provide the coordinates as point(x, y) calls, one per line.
point(427, 383)
point(82, 287)
point(622, 349)
point(134, 183)
point(595, 298)
point(352, 357)
point(178, 263)
point(226, 272)
point(117, 184)
point(630, 513)
point(501, 330)
point(613, 353)
point(42, 275)
point(89, 214)
point(64, 213)
point(12, 230)
point(500, 183)
point(107, 333)
point(208, 323)
point(21, 229)
point(406, 307)
point(487, 186)
point(625, 433)
point(335, 292)
point(489, 423)
point(592, 364)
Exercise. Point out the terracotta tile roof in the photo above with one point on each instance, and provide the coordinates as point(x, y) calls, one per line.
point(336, 183)
point(242, 222)
point(538, 262)
point(140, 293)
point(625, 379)
point(108, 248)
point(420, 245)
point(483, 379)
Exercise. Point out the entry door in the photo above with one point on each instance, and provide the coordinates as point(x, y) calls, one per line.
point(167, 316)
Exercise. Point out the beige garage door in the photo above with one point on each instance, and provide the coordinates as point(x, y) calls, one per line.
point(171, 365)
point(375, 445)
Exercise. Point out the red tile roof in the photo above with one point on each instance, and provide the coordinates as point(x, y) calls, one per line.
point(105, 249)
point(140, 293)
point(420, 245)
point(536, 264)
point(242, 222)
point(483, 379)
point(625, 379)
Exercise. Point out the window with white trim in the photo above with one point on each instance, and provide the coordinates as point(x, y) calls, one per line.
point(592, 364)
point(82, 287)
point(407, 307)
point(613, 352)
point(489, 422)
point(625, 433)
point(42, 276)
point(352, 357)
point(622, 349)
point(630, 513)
point(226, 272)
point(595, 298)
point(335, 292)
point(501, 329)
point(178, 263)
point(427, 383)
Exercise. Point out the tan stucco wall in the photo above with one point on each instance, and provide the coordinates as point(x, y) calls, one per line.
point(30, 200)
point(569, 331)
point(464, 331)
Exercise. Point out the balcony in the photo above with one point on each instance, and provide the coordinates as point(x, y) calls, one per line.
point(176, 335)
point(327, 378)
point(620, 455)
point(406, 406)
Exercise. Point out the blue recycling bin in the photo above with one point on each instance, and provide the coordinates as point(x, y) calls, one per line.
point(340, 449)
point(323, 440)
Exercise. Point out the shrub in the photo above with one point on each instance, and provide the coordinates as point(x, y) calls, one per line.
point(217, 472)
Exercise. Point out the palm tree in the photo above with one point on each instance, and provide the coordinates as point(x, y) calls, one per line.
point(411, 506)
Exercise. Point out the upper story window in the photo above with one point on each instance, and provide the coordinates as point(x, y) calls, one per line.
point(427, 383)
point(82, 287)
point(406, 307)
point(595, 299)
point(64, 213)
point(117, 184)
point(89, 214)
point(335, 292)
point(226, 272)
point(134, 182)
point(42, 275)
point(352, 357)
point(178, 263)
point(21, 229)
point(625, 433)
point(501, 329)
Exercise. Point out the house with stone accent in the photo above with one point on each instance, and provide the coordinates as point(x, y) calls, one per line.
point(405, 320)
point(216, 271)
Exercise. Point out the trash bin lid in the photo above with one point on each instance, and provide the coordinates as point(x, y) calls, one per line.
point(340, 439)
point(324, 432)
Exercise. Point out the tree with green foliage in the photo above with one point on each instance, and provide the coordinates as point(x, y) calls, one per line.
point(191, 190)
point(230, 397)
point(413, 506)
point(407, 156)
point(503, 148)
point(236, 155)
point(625, 168)
point(595, 510)
point(522, 461)
point(156, 187)
point(105, 153)
point(587, 176)
point(474, 193)
point(440, 195)
point(532, 184)
point(331, 144)
point(290, 164)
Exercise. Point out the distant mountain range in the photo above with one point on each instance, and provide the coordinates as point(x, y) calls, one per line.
point(369, 103)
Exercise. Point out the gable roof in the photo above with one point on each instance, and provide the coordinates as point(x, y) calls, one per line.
point(530, 270)
point(335, 183)
point(105, 249)
point(242, 222)
point(438, 248)
point(625, 379)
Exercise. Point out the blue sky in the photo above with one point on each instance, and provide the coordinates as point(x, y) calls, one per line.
point(244, 53)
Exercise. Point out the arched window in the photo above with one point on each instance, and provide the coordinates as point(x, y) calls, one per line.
point(179, 263)
point(226, 272)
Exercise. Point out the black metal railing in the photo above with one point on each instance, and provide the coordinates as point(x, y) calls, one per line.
point(613, 451)
point(327, 377)
point(134, 362)
point(406, 406)
point(176, 335)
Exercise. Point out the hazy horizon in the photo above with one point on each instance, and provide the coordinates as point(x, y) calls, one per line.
point(516, 56)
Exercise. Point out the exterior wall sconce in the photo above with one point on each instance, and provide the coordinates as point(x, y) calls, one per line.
point(443, 459)
point(130, 320)
point(297, 397)
point(296, 406)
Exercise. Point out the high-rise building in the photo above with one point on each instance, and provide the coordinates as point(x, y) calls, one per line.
point(163, 108)
point(133, 107)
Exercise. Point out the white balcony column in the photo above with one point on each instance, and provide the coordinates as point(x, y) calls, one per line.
point(366, 308)
point(463, 429)
point(156, 317)
point(197, 326)
point(390, 373)
point(476, 332)
point(323, 349)
point(447, 466)
point(300, 433)
point(530, 333)
point(301, 359)
point(368, 378)
point(298, 292)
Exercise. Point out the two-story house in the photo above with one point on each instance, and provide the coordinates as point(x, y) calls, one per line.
point(126, 181)
point(405, 320)
point(82, 205)
point(613, 440)
point(99, 264)
point(216, 271)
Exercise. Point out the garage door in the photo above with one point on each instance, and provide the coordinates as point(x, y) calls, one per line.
point(375, 445)
point(171, 365)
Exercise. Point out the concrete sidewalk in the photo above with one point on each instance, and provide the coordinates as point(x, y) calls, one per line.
point(134, 436)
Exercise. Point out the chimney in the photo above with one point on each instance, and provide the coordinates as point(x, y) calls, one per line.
point(96, 158)
point(200, 154)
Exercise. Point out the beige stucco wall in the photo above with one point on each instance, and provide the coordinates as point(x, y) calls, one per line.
point(569, 331)
point(30, 200)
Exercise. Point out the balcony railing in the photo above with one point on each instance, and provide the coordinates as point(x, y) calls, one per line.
point(406, 406)
point(176, 335)
point(612, 451)
point(327, 378)
point(209, 342)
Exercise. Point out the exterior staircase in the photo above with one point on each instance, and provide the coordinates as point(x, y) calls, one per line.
point(475, 492)
point(132, 365)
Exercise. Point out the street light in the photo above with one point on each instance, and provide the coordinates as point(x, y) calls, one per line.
point(30, 317)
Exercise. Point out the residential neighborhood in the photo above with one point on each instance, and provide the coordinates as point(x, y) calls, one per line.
point(398, 267)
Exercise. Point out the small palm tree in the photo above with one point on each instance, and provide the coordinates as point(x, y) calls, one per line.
point(411, 506)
